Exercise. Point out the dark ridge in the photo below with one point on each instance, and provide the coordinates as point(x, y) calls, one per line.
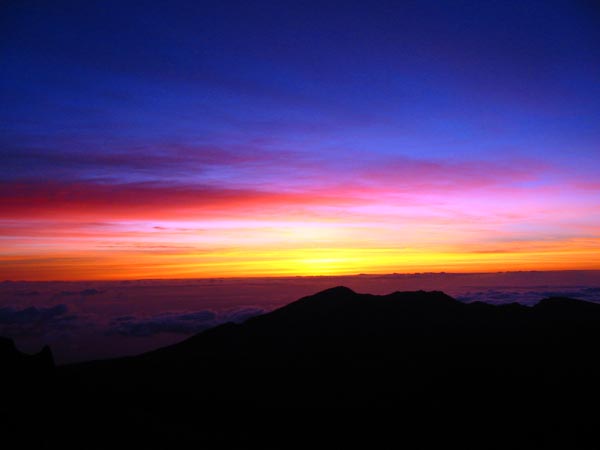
point(422, 354)
point(18, 367)
point(565, 303)
point(8, 350)
point(337, 291)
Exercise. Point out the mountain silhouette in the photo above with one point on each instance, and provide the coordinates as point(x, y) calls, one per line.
point(423, 354)
point(17, 366)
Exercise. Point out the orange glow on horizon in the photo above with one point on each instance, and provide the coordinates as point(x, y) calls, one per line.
point(93, 232)
point(233, 263)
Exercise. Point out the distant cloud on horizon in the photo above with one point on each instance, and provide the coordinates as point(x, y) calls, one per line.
point(530, 297)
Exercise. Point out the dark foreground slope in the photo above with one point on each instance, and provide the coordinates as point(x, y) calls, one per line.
point(444, 368)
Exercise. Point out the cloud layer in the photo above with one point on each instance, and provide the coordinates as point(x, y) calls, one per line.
point(37, 321)
point(182, 323)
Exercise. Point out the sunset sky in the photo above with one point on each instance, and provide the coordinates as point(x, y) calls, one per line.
point(223, 139)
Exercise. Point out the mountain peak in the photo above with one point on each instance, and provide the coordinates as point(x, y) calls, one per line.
point(18, 365)
point(7, 346)
point(338, 291)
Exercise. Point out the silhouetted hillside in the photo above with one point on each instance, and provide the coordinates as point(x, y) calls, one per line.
point(17, 366)
point(423, 354)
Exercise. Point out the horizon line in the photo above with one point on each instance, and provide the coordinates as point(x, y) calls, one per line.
point(254, 277)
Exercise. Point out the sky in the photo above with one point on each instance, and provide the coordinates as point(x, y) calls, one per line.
point(241, 139)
